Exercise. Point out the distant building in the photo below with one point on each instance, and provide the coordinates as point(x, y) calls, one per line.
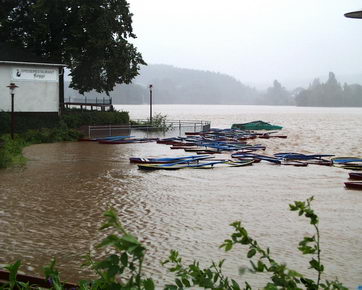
point(40, 82)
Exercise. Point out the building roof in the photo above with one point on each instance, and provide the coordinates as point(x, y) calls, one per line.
point(11, 54)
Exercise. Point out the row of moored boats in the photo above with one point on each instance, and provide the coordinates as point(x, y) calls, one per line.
point(232, 143)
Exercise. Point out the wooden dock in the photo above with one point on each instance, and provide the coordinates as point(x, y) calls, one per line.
point(104, 104)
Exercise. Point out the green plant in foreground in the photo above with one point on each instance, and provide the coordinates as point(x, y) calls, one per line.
point(280, 275)
point(123, 268)
point(126, 260)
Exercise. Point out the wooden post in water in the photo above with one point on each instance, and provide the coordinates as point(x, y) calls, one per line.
point(150, 104)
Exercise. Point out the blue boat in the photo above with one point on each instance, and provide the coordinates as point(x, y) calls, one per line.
point(258, 156)
point(343, 160)
point(168, 160)
point(178, 165)
point(300, 156)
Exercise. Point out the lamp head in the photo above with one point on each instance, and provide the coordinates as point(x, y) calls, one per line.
point(12, 87)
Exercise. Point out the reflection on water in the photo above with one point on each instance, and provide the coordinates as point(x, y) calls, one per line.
point(53, 206)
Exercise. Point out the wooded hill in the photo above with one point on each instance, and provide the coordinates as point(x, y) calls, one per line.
point(172, 85)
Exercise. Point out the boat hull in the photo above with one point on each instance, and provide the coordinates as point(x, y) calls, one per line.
point(353, 185)
point(355, 176)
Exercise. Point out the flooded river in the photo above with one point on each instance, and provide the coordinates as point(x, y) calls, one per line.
point(53, 206)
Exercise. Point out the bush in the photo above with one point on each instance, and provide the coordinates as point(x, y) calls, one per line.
point(10, 151)
point(35, 128)
point(159, 123)
point(27, 121)
point(71, 118)
point(75, 118)
point(4, 123)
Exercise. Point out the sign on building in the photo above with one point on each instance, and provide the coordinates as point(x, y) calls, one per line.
point(34, 74)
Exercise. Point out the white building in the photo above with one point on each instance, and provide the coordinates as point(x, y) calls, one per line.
point(40, 83)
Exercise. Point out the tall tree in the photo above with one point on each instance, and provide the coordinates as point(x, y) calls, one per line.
point(90, 36)
point(277, 95)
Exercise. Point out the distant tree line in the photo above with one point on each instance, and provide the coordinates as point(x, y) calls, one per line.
point(277, 95)
point(330, 94)
point(172, 85)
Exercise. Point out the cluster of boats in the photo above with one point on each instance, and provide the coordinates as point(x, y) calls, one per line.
point(236, 159)
point(239, 159)
point(218, 141)
point(194, 161)
point(351, 163)
point(232, 142)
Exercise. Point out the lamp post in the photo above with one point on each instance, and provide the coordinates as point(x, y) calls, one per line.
point(150, 87)
point(12, 88)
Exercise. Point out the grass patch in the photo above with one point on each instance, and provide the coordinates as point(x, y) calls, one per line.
point(36, 129)
point(11, 150)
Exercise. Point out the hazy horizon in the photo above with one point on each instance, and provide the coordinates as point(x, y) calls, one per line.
point(255, 42)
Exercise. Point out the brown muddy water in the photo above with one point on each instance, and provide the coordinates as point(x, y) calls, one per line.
point(53, 206)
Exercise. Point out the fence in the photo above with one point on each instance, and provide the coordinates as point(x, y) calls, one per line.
point(114, 130)
point(85, 100)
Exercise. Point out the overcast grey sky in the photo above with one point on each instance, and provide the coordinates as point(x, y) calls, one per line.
point(256, 41)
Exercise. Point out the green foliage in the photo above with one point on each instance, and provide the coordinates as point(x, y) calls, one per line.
point(34, 129)
point(281, 277)
point(28, 121)
point(46, 135)
point(122, 269)
point(90, 37)
point(75, 118)
point(4, 122)
point(72, 118)
point(10, 151)
point(52, 275)
point(159, 123)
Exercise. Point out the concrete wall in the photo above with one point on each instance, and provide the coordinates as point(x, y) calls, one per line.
point(38, 88)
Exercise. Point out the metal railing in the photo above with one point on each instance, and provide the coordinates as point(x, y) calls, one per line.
point(143, 125)
point(196, 125)
point(178, 123)
point(85, 100)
